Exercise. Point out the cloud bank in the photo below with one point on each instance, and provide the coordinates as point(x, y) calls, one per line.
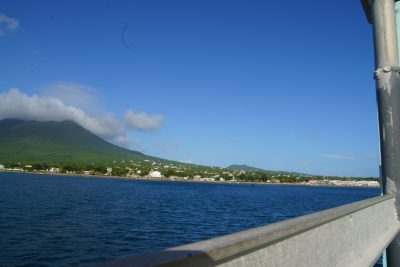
point(17, 105)
point(142, 121)
point(7, 24)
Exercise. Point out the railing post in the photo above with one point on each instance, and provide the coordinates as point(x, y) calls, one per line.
point(381, 13)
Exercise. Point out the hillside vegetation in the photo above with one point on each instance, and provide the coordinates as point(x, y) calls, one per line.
point(66, 141)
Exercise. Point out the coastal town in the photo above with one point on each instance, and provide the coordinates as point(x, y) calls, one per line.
point(173, 171)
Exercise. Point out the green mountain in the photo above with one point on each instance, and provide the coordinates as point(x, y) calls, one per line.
point(56, 142)
point(49, 142)
point(247, 168)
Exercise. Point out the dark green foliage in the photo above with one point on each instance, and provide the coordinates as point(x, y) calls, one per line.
point(168, 172)
point(118, 171)
point(56, 142)
point(9, 123)
point(244, 167)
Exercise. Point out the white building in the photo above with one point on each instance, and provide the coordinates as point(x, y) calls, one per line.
point(155, 174)
point(1, 167)
point(109, 170)
point(197, 178)
point(54, 170)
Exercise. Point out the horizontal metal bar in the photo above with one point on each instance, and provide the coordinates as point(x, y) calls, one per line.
point(234, 246)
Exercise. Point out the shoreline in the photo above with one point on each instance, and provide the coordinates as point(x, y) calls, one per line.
point(186, 180)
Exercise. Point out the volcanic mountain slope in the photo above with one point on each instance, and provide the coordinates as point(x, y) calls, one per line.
point(50, 141)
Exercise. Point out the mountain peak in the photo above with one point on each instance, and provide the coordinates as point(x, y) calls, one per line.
point(53, 141)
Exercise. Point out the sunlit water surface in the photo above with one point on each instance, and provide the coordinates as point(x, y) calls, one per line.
point(63, 221)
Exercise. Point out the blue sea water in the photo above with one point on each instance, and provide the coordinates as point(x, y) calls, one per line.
point(63, 221)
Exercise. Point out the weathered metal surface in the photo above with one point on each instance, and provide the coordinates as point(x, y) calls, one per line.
point(388, 96)
point(350, 235)
point(385, 36)
point(397, 13)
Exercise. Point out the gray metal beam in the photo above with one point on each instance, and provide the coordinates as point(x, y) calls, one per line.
point(388, 96)
point(351, 235)
point(385, 36)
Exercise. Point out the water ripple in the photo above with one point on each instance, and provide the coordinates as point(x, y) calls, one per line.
point(69, 221)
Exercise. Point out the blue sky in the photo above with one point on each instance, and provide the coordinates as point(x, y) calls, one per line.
point(283, 85)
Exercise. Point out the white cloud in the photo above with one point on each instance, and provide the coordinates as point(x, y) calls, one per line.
point(142, 121)
point(73, 94)
point(7, 24)
point(17, 105)
point(339, 156)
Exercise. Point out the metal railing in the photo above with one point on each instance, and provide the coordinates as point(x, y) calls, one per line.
point(349, 235)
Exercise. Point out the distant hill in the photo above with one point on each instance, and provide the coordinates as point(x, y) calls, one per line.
point(244, 167)
point(66, 141)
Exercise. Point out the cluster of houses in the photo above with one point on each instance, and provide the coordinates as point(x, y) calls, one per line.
point(15, 169)
point(49, 170)
point(155, 173)
point(343, 183)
